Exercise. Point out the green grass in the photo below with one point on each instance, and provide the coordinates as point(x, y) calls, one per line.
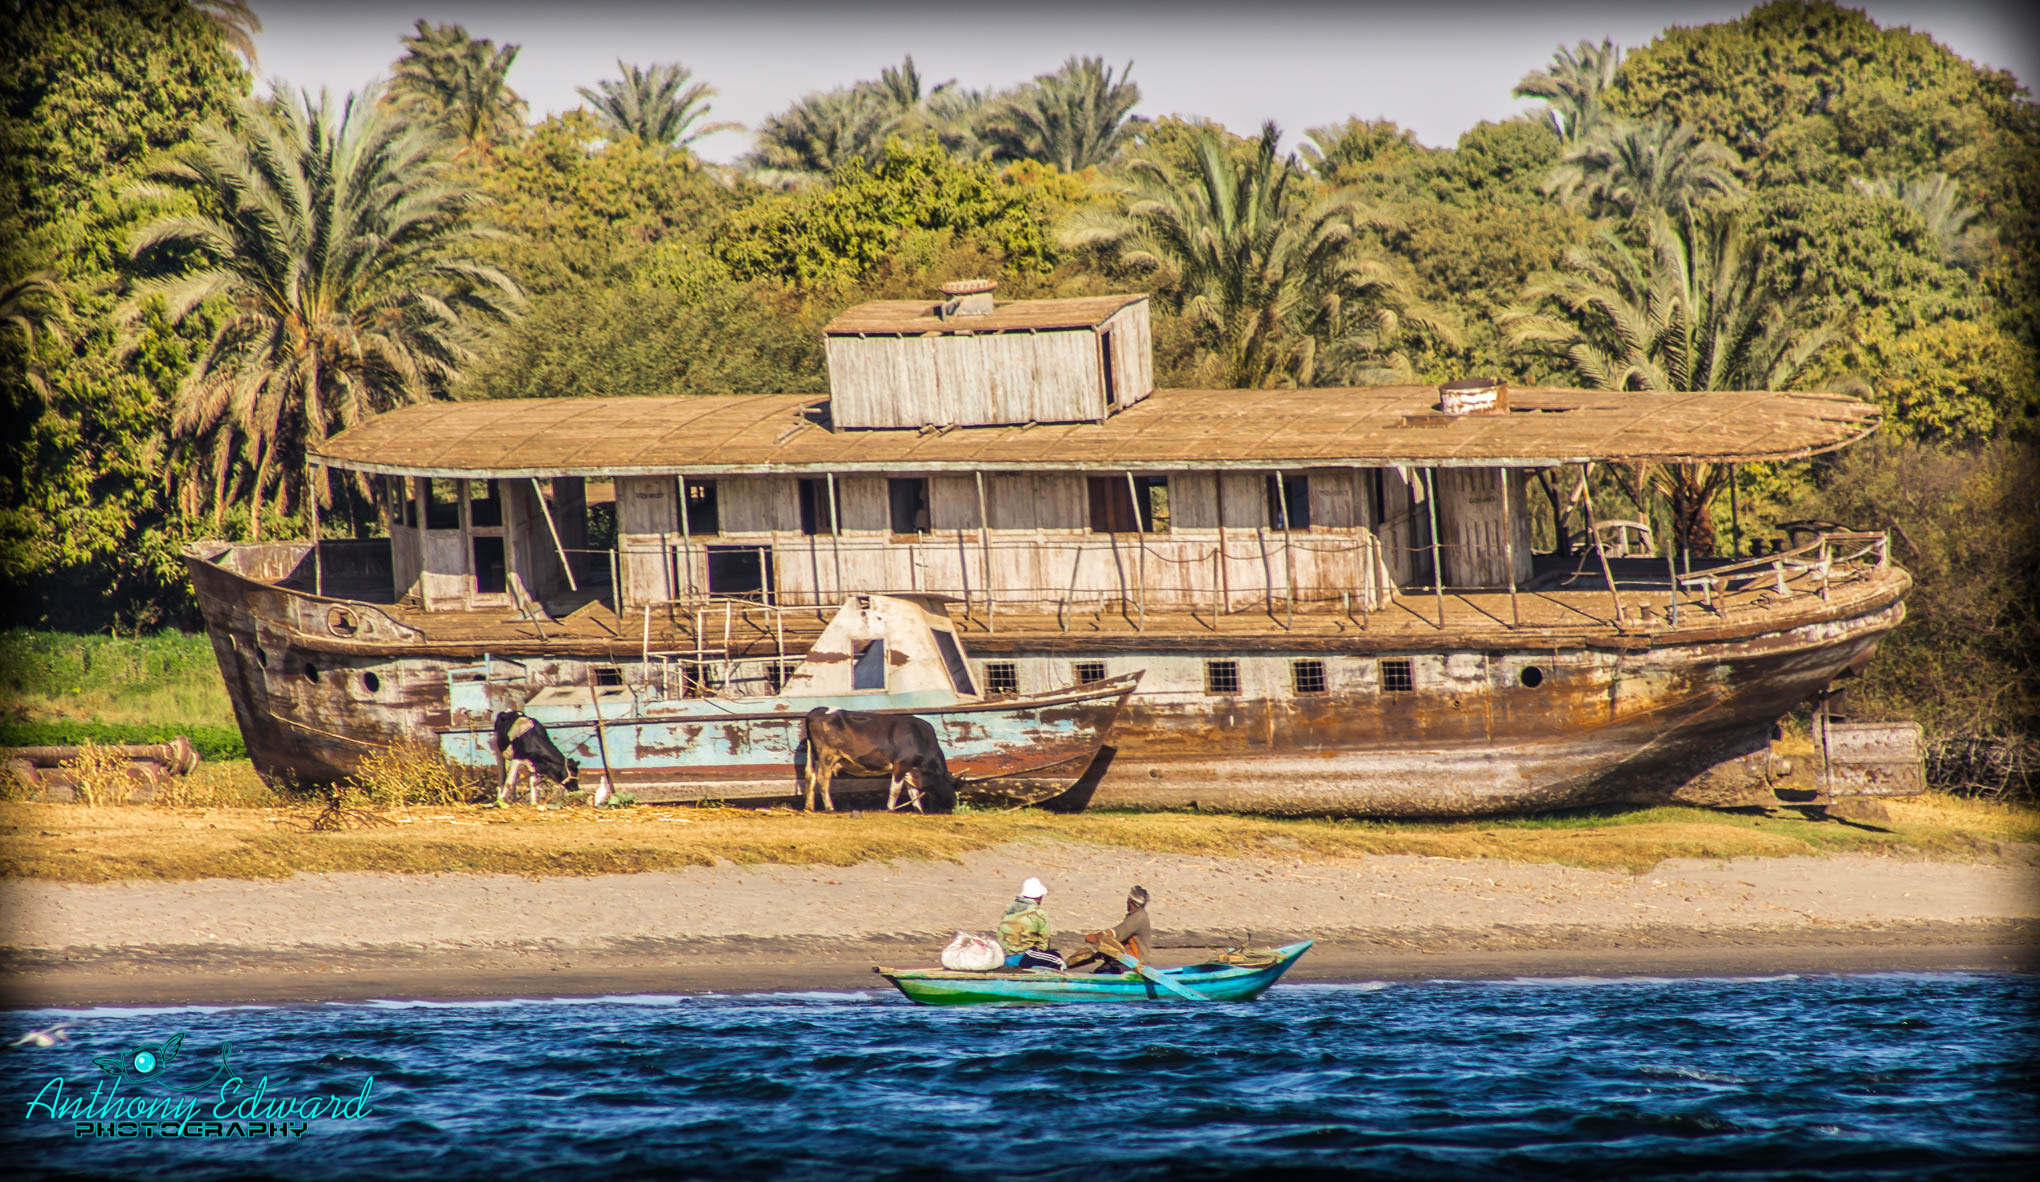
point(59, 687)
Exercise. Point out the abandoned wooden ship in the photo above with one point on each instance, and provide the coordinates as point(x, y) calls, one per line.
point(1331, 594)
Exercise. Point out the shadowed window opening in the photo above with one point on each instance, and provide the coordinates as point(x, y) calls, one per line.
point(867, 669)
point(1307, 677)
point(1002, 677)
point(1531, 677)
point(1090, 671)
point(1399, 675)
point(1221, 677)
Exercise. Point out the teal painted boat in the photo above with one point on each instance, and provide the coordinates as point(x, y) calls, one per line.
point(1241, 976)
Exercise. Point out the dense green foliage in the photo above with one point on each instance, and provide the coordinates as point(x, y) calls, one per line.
point(1795, 197)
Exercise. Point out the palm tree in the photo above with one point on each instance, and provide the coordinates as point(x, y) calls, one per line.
point(236, 22)
point(1278, 285)
point(660, 105)
point(827, 129)
point(1573, 88)
point(337, 259)
point(1631, 168)
point(458, 84)
point(1690, 312)
point(1938, 201)
point(1353, 145)
point(1074, 118)
point(824, 131)
point(32, 307)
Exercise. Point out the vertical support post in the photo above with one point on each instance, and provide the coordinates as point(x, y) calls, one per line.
point(1672, 573)
point(686, 537)
point(835, 537)
point(1139, 553)
point(1437, 560)
point(615, 584)
point(985, 548)
point(1509, 546)
point(1586, 487)
point(645, 642)
point(1224, 574)
point(1734, 512)
point(1288, 551)
point(318, 562)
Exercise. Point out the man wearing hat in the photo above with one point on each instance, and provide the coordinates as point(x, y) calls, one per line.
point(1133, 934)
point(1024, 931)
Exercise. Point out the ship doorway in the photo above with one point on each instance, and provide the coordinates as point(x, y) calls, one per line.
point(743, 572)
point(491, 573)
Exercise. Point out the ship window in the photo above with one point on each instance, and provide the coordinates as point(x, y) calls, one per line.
point(1289, 502)
point(1002, 677)
point(909, 500)
point(815, 517)
point(1221, 677)
point(486, 506)
point(952, 660)
point(1398, 675)
point(1307, 677)
point(404, 500)
point(371, 682)
point(867, 666)
point(777, 674)
point(311, 673)
point(1531, 677)
point(703, 515)
point(490, 575)
point(608, 675)
point(1090, 671)
point(1113, 504)
point(442, 504)
point(744, 571)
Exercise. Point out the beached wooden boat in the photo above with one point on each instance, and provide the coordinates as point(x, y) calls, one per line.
point(1335, 597)
point(1242, 976)
point(665, 737)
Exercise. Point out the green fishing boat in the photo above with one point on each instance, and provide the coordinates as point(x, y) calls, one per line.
point(1240, 976)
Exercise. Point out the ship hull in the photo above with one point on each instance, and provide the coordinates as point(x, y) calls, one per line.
point(1610, 718)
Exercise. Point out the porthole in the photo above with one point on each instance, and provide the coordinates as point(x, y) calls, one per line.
point(1531, 677)
point(262, 658)
point(371, 682)
point(311, 672)
point(342, 622)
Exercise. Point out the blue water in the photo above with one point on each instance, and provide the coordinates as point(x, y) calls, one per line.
point(1898, 1076)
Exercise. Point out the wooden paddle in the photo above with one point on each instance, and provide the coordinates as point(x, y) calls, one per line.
point(1118, 952)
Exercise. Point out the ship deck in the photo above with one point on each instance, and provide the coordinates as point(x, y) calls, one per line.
point(1567, 601)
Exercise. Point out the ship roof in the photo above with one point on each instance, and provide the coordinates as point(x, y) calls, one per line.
point(1172, 430)
point(915, 317)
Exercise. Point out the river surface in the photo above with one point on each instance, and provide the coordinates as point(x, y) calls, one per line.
point(1887, 1075)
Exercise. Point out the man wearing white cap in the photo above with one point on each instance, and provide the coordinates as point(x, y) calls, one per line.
point(1024, 931)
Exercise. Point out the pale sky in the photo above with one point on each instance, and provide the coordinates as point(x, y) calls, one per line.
point(1436, 68)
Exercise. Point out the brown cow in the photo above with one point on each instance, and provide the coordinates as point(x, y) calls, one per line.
point(854, 742)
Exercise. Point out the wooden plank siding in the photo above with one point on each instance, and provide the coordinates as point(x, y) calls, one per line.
point(1040, 555)
point(965, 380)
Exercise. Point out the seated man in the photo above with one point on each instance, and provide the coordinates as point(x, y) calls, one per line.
point(1024, 931)
point(1133, 935)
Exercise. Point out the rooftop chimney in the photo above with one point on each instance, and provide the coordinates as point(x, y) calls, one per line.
point(1471, 396)
point(967, 297)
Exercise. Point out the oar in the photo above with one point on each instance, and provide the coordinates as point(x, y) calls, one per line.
point(1119, 953)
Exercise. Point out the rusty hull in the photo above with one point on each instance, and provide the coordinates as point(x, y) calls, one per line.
point(1615, 717)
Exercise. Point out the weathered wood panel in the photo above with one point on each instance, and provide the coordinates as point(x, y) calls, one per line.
point(1473, 533)
point(1132, 353)
point(965, 379)
point(758, 504)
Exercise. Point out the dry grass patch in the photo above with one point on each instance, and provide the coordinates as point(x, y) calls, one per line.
point(84, 844)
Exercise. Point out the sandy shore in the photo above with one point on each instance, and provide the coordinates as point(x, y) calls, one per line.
point(340, 936)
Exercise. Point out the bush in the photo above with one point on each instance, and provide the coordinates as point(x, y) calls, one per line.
point(411, 774)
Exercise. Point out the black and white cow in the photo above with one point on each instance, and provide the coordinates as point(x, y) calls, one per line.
point(527, 751)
